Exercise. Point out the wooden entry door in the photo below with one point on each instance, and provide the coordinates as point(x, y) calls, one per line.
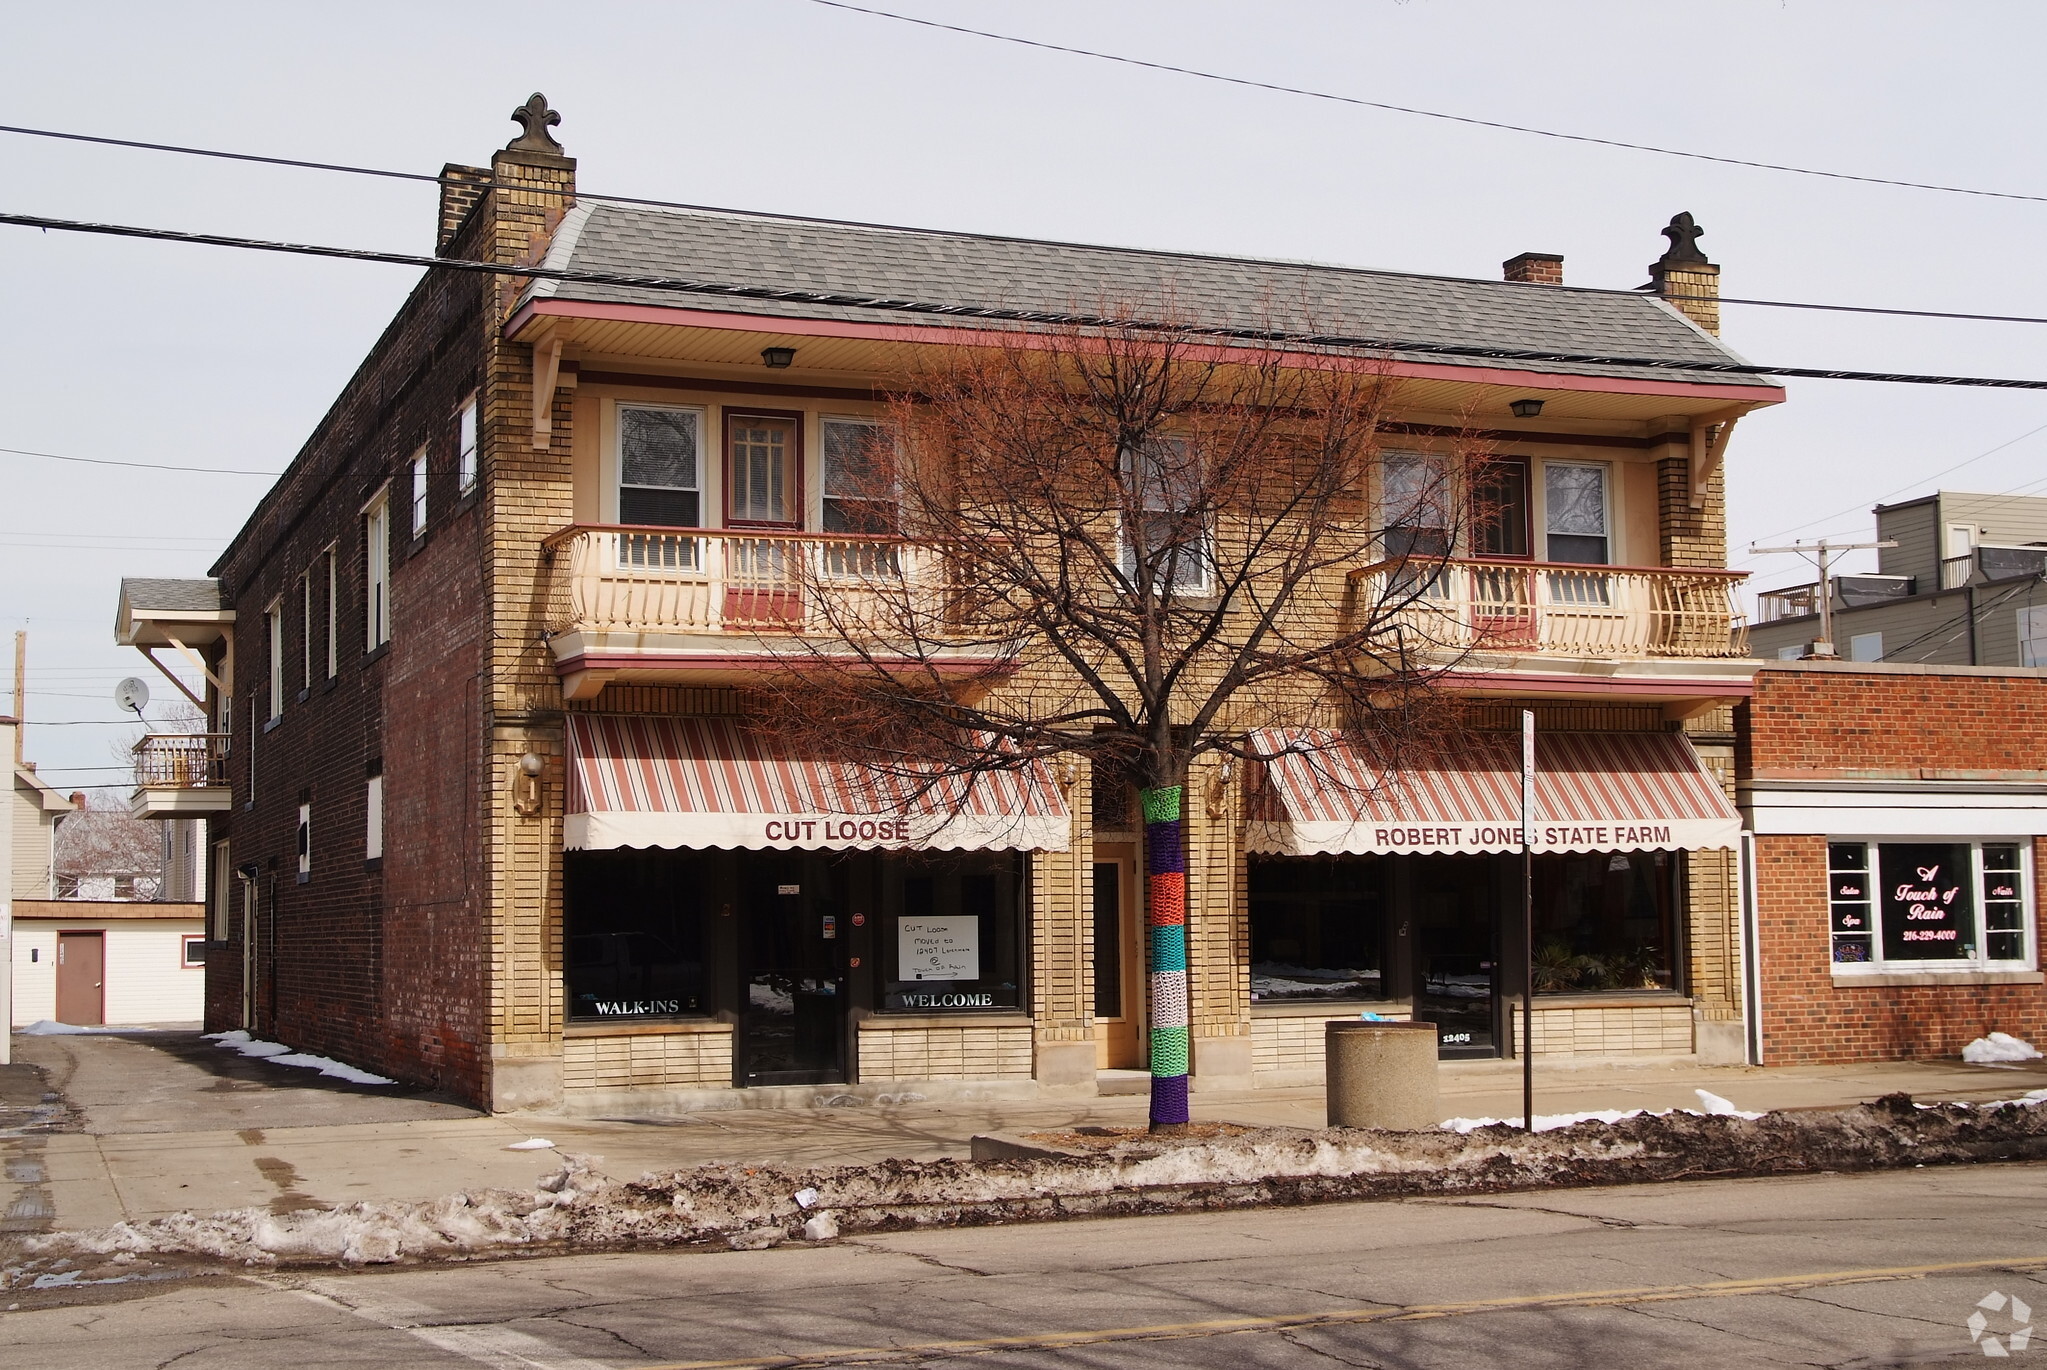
point(82, 978)
point(1119, 961)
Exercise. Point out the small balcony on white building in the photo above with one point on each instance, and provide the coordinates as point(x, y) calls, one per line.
point(180, 775)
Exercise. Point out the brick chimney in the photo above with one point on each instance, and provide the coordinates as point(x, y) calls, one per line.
point(1683, 276)
point(1536, 268)
point(461, 188)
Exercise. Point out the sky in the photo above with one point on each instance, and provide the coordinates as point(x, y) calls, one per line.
point(201, 357)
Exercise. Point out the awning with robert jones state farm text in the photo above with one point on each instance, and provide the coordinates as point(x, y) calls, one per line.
point(644, 780)
point(1593, 792)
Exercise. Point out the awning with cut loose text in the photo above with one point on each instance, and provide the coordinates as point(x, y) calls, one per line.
point(1593, 792)
point(643, 780)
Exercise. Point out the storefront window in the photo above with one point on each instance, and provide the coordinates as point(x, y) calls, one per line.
point(1947, 903)
point(951, 934)
point(633, 931)
point(1603, 921)
point(1317, 930)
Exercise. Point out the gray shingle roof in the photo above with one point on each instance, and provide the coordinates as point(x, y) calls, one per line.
point(959, 269)
point(172, 596)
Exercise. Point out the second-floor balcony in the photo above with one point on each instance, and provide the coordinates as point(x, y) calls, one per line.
point(180, 775)
point(1557, 610)
point(706, 606)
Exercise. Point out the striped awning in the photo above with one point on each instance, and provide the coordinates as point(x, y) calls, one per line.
point(642, 780)
point(1593, 792)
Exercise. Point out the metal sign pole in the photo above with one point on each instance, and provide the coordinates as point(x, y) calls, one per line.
point(1528, 919)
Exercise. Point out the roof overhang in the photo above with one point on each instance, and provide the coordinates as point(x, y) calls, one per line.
point(865, 350)
point(140, 625)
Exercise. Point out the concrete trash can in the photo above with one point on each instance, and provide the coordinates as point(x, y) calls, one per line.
point(1382, 1075)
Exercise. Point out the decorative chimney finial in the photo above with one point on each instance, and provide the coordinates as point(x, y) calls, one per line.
point(536, 119)
point(1684, 242)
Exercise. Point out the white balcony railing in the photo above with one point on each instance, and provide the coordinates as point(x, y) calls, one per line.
point(1557, 609)
point(181, 761)
point(694, 580)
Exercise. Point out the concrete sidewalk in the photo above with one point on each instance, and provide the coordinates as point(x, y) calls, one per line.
point(160, 1122)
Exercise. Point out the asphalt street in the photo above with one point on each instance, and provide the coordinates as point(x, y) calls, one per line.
point(1832, 1270)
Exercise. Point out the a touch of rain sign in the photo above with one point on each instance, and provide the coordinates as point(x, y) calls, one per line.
point(938, 948)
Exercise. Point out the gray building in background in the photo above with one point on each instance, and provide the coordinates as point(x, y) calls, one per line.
point(1965, 586)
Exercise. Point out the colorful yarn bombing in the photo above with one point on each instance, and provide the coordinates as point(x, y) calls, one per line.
point(1165, 866)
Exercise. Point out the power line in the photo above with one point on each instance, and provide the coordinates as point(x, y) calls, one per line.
point(1421, 113)
point(1912, 485)
point(652, 203)
point(887, 304)
point(141, 465)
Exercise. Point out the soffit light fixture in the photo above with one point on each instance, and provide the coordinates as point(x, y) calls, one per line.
point(778, 357)
point(1526, 409)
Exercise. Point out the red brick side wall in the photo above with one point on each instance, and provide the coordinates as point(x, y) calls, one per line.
point(377, 963)
point(1848, 724)
point(1808, 1019)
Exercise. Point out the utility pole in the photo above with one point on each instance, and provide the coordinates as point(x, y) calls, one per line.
point(1824, 553)
point(20, 687)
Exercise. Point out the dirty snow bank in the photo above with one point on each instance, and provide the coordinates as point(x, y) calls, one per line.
point(577, 1208)
point(49, 1028)
point(277, 1053)
point(1710, 1105)
point(1998, 1048)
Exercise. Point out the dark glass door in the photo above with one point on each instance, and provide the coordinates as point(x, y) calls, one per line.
point(792, 1012)
point(1456, 902)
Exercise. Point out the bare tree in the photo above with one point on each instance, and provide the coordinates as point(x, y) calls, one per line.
point(1137, 547)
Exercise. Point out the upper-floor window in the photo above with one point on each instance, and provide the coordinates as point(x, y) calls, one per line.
point(1163, 487)
point(377, 571)
point(373, 817)
point(856, 497)
point(306, 630)
point(1576, 513)
point(1414, 505)
point(660, 476)
point(333, 662)
point(465, 446)
point(419, 493)
point(273, 623)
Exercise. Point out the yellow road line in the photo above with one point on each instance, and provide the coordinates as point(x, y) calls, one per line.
point(1416, 1312)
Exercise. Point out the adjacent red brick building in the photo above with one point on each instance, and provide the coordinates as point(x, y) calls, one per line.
point(1898, 814)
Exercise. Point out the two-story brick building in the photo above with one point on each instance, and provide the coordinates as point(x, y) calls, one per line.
point(490, 809)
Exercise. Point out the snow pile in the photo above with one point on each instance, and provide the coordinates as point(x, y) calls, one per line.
point(753, 1207)
point(1998, 1048)
point(48, 1028)
point(532, 1144)
point(1711, 1105)
point(277, 1053)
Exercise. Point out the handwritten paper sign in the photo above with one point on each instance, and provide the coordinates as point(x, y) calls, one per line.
point(938, 948)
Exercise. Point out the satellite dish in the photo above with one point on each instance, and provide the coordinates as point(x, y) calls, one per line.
point(133, 695)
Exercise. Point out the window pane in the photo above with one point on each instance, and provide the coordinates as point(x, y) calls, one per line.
point(972, 901)
point(850, 468)
point(1926, 897)
point(1500, 512)
point(1847, 856)
point(1577, 499)
point(760, 478)
point(1412, 493)
point(1317, 929)
point(657, 447)
point(1108, 939)
point(633, 933)
point(1603, 921)
point(658, 508)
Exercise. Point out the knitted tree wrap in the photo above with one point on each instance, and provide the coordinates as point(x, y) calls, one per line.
point(1165, 864)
